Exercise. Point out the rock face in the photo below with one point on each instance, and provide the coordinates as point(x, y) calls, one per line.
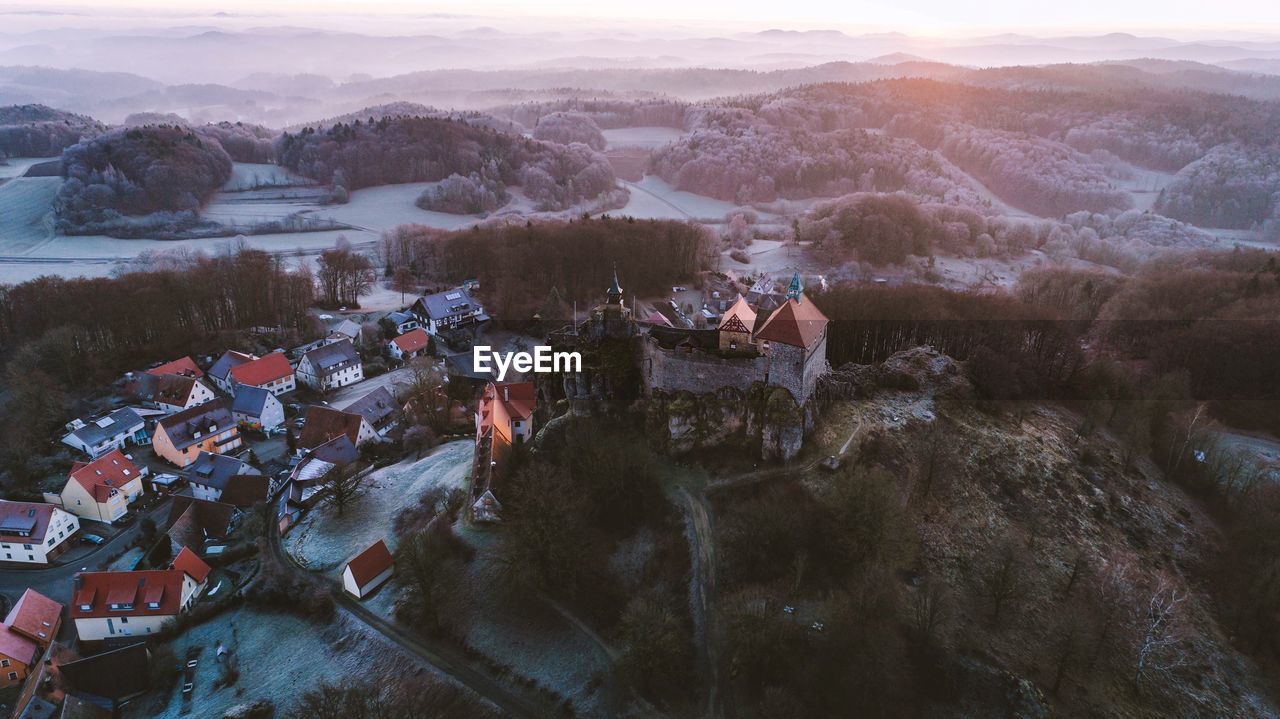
point(762, 419)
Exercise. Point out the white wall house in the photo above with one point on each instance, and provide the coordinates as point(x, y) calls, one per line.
point(34, 532)
point(107, 605)
point(330, 366)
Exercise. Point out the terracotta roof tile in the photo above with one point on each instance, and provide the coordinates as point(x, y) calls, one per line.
point(105, 474)
point(184, 366)
point(35, 616)
point(412, 341)
point(325, 423)
point(195, 567)
point(796, 322)
point(370, 563)
point(264, 370)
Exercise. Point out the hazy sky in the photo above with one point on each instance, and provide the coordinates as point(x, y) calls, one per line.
point(1185, 17)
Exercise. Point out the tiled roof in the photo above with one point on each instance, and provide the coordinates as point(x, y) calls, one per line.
point(240, 483)
point(797, 323)
point(174, 389)
point(370, 563)
point(16, 646)
point(377, 407)
point(26, 520)
point(35, 616)
point(231, 358)
point(331, 356)
point(115, 675)
point(742, 312)
point(443, 304)
point(188, 562)
point(104, 474)
point(250, 400)
point(98, 590)
point(209, 418)
point(412, 341)
point(325, 423)
point(122, 421)
point(263, 370)
point(192, 521)
point(182, 366)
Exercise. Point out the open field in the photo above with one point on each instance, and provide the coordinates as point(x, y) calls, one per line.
point(324, 541)
point(15, 166)
point(646, 138)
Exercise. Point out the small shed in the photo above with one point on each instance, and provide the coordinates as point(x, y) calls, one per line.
point(368, 571)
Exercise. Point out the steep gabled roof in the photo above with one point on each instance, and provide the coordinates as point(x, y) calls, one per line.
point(34, 616)
point(121, 421)
point(184, 366)
point(250, 400)
point(326, 358)
point(263, 370)
point(18, 647)
point(413, 341)
point(797, 322)
point(193, 566)
point(324, 423)
point(99, 590)
point(115, 675)
point(105, 474)
point(739, 317)
point(443, 304)
point(27, 521)
point(174, 389)
point(207, 418)
point(231, 358)
point(370, 563)
point(192, 521)
point(377, 407)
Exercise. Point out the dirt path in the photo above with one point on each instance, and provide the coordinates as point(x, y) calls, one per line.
point(708, 637)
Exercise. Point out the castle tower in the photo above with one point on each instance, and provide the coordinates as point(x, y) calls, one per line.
point(795, 290)
point(795, 339)
point(613, 318)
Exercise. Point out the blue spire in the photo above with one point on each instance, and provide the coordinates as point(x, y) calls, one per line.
point(795, 288)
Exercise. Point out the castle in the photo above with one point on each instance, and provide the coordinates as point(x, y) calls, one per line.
point(786, 347)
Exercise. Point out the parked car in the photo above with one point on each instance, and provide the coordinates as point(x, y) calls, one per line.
point(92, 539)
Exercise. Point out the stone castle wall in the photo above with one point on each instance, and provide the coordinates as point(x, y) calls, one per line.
point(698, 372)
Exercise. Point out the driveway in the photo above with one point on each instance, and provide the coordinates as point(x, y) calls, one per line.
point(396, 378)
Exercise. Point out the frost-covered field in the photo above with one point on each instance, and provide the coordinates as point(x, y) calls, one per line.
point(646, 138)
point(324, 541)
point(248, 175)
point(655, 199)
point(279, 657)
point(26, 204)
point(16, 166)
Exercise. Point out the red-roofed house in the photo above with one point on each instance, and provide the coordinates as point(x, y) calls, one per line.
point(504, 418)
point(183, 366)
point(409, 345)
point(34, 532)
point(31, 626)
point(103, 489)
point(270, 372)
point(324, 423)
point(107, 605)
point(368, 570)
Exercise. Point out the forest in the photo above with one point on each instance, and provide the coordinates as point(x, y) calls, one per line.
point(392, 150)
point(40, 131)
point(161, 174)
point(521, 266)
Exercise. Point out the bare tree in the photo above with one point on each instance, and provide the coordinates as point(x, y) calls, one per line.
point(930, 611)
point(342, 485)
point(1004, 578)
point(1159, 637)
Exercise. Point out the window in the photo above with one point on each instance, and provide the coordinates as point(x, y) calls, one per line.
point(13, 676)
point(124, 620)
point(27, 547)
point(4, 662)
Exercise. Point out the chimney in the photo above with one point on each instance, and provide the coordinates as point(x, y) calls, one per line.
point(506, 394)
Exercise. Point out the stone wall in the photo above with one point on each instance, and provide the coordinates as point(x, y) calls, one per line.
point(698, 372)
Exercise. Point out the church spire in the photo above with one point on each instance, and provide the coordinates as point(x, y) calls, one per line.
point(795, 288)
point(615, 290)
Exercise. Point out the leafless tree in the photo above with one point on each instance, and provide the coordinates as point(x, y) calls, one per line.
point(1160, 636)
point(342, 485)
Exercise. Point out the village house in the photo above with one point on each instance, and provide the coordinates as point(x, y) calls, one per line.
point(34, 532)
point(271, 372)
point(116, 430)
point(447, 310)
point(180, 438)
point(349, 330)
point(220, 372)
point(200, 524)
point(103, 489)
point(183, 367)
point(30, 627)
point(330, 366)
point(109, 605)
point(303, 488)
point(369, 570)
point(169, 392)
point(257, 408)
point(409, 345)
point(324, 423)
point(219, 478)
point(402, 321)
point(504, 419)
point(379, 409)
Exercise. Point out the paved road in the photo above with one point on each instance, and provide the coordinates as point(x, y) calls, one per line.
point(393, 380)
point(445, 657)
point(55, 582)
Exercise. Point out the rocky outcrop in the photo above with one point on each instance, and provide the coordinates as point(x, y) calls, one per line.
point(763, 420)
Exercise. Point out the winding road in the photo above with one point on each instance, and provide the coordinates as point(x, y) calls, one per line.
point(444, 657)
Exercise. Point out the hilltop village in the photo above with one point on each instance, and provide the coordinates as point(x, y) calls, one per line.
point(156, 526)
